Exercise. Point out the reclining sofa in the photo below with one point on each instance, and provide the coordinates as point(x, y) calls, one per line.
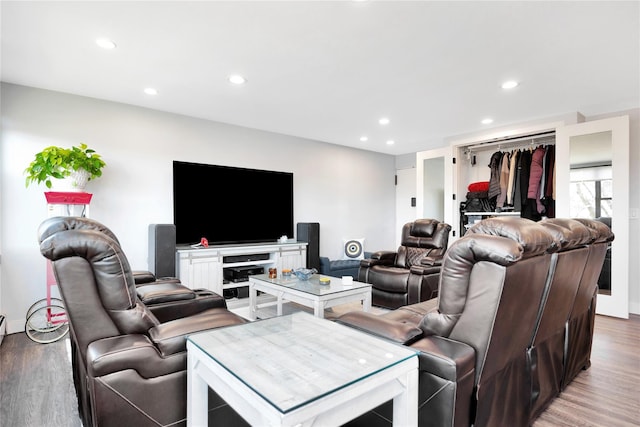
point(129, 358)
point(512, 326)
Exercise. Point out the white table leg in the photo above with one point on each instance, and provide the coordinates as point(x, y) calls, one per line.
point(405, 405)
point(197, 392)
point(279, 305)
point(253, 300)
point(366, 302)
point(318, 309)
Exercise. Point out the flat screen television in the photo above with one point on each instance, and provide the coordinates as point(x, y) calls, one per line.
point(231, 205)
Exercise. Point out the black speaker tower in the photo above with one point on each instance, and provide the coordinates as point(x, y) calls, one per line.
point(162, 250)
point(310, 232)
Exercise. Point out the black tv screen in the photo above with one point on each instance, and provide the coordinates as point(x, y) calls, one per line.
point(231, 205)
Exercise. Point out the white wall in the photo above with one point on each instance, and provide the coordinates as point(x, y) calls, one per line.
point(350, 192)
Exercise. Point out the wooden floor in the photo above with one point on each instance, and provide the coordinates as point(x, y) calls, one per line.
point(36, 387)
point(608, 393)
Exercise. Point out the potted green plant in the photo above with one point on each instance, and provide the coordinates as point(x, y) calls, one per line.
point(80, 163)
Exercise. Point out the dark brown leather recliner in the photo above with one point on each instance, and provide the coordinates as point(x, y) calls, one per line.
point(166, 297)
point(546, 351)
point(580, 325)
point(129, 367)
point(561, 344)
point(571, 288)
point(504, 290)
point(409, 275)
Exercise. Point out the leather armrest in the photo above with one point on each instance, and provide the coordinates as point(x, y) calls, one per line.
point(445, 358)
point(177, 309)
point(379, 258)
point(157, 281)
point(169, 337)
point(160, 292)
point(423, 270)
point(433, 261)
point(366, 263)
point(400, 332)
point(135, 352)
point(384, 255)
point(143, 276)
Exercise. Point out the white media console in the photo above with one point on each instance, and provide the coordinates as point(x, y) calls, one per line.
point(204, 267)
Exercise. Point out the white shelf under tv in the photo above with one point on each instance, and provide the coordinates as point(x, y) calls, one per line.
point(202, 268)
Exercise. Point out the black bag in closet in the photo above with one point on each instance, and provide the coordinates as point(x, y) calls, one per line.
point(478, 201)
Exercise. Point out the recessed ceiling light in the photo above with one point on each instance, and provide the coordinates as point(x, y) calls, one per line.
point(510, 84)
point(237, 79)
point(384, 121)
point(150, 91)
point(390, 142)
point(487, 121)
point(106, 43)
point(364, 138)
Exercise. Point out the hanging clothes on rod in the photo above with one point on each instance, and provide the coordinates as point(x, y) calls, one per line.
point(549, 195)
point(505, 162)
point(536, 209)
point(522, 180)
point(494, 180)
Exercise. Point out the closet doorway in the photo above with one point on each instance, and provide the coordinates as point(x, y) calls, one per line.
point(434, 184)
point(405, 191)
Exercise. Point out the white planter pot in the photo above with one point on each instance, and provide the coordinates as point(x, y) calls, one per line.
point(77, 181)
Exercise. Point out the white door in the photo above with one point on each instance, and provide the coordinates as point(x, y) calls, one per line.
point(598, 151)
point(434, 185)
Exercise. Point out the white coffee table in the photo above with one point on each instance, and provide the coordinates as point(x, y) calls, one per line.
point(309, 293)
point(300, 370)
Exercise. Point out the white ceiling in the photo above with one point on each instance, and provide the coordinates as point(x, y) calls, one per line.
point(329, 70)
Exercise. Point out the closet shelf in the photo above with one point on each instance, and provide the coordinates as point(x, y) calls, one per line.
point(506, 213)
point(545, 138)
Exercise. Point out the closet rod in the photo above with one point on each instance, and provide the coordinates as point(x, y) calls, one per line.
point(534, 139)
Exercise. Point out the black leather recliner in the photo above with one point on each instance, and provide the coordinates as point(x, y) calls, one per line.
point(410, 274)
point(129, 367)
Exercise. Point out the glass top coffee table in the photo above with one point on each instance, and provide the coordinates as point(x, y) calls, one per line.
point(309, 293)
point(300, 370)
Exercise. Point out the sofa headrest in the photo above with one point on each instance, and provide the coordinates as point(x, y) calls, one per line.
point(567, 232)
point(62, 223)
point(426, 234)
point(112, 275)
point(455, 277)
point(423, 227)
point(533, 237)
point(600, 232)
point(110, 267)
